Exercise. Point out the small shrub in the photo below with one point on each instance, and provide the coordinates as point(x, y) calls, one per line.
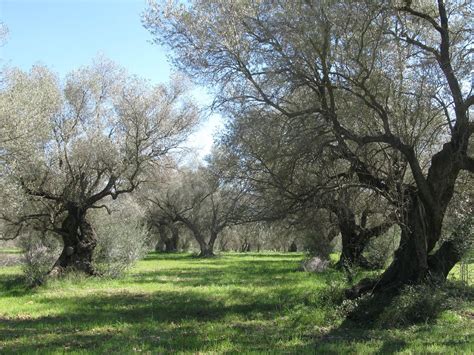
point(119, 245)
point(333, 293)
point(350, 307)
point(40, 252)
point(379, 251)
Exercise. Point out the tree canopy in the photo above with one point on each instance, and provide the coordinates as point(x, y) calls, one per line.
point(67, 146)
point(388, 85)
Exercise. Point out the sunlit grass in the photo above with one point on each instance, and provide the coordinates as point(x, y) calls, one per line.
point(232, 303)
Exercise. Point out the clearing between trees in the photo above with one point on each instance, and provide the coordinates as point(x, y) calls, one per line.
point(232, 303)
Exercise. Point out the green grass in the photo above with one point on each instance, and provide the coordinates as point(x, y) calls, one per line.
point(233, 303)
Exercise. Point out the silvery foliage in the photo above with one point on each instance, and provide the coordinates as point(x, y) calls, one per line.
point(119, 246)
point(79, 140)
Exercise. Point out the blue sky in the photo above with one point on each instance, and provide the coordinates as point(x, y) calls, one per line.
point(66, 34)
point(69, 33)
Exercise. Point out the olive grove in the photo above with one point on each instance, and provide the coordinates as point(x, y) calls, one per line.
point(386, 86)
point(70, 146)
point(201, 201)
point(286, 162)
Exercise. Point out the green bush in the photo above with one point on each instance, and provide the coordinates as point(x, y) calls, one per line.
point(39, 254)
point(415, 304)
point(379, 251)
point(119, 245)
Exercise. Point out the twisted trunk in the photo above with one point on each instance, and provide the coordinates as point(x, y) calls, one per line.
point(172, 242)
point(160, 245)
point(352, 247)
point(207, 251)
point(355, 237)
point(421, 229)
point(169, 238)
point(352, 243)
point(245, 247)
point(207, 248)
point(293, 247)
point(79, 242)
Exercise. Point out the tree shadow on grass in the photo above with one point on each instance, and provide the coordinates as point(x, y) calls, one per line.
point(189, 316)
point(171, 320)
point(223, 276)
point(223, 272)
point(14, 286)
point(182, 319)
point(225, 256)
point(373, 316)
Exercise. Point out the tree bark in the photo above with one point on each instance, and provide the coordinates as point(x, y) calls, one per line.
point(207, 248)
point(424, 213)
point(413, 261)
point(352, 247)
point(245, 247)
point(293, 247)
point(79, 242)
point(168, 242)
point(172, 247)
point(443, 260)
point(206, 251)
point(160, 245)
point(355, 237)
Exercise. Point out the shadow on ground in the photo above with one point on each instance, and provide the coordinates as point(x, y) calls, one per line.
point(230, 303)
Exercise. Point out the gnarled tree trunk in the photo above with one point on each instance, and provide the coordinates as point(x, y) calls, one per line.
point(207, 248)
point(352, 247)
point(421, 228)
point(410, 264)
point(206, 251)
point(355, 237)
point(79, 242)
point(293, 247)
point(169, 238)
point(172, 242)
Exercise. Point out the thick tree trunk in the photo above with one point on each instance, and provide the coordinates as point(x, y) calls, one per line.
point(79, 242)
point(172, 246)
point(428, 201)
point(245, 247)
point(443, 260)
point(423, 225)
point(354, 240)
point(413, 263)
point(352, 248)
point(293, 247)
point(168, 242)
point(410, 264)
point(160, 245)
point(207, 248)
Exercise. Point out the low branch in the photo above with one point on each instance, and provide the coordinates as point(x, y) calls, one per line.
point(109, 211)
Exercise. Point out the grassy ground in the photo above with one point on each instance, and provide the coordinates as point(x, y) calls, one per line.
point(233, 303)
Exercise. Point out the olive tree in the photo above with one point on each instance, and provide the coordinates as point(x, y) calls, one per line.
point(168, 232)
point(69, 146)
point(390, 81)
point(286, 161)
point(201, 201)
